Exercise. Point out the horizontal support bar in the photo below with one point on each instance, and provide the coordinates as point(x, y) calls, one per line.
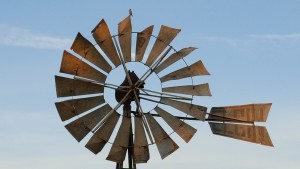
point(209, 120)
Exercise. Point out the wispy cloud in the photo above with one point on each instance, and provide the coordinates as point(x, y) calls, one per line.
point(15, 36)
point(260, 45)
point(276, 37)
point(228, 40)
point(295, 37)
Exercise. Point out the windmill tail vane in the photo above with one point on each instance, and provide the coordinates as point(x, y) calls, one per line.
point(83, 80)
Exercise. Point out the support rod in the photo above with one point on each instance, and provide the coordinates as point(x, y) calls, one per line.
point(135, 94)
point(225, 119)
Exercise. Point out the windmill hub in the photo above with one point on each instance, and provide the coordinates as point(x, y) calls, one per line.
point(121, 91)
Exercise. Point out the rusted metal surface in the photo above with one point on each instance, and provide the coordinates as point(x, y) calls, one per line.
point(174, 58)
point(254, 134)
point(188, 108)
point(124, 30)
point(164, 38)
point(102, 135)
point(121, 92)
point(119, 148)
point(70, 108)
point(81, 127)
point(185, 131)
point(103, 38)
point(74, 66)
point(197, 90)
point(247, 113)
point(87, 50)
point(70, 87)
point(142, 42)
point(164, 143)
point(141, 149)
point(196, 69)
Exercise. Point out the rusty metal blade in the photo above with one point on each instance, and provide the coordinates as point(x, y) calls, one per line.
point(195, 69)
point(124, 29)
point(82, 126)
point(164, 143)
point(103, 38)
point(142, 42)
point(193, 110)
point(185, 131)
point(165, 37)
point(118, 150)
point(102, 135)
point(174, 58)
point(71, 108)
point(87, 50)
point(196, 90)
point(141, 149)
point(71, 87)
point(254, 134)
point(246, 113)
point(74, 66)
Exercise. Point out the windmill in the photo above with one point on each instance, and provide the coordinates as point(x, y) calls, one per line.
point(83, 80)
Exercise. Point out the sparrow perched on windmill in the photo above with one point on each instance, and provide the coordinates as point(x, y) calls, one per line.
point(130, 13)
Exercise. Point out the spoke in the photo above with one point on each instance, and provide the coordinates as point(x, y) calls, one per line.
point(154, 101)
point(135, 94)
point(152, 68)
point(122, 61)
point(166, 94)
point(143, 117)
point(127, 74)
point(108, 85)
point(151, 100)
point(151, 95)
point(230, 120)
point(114, 109)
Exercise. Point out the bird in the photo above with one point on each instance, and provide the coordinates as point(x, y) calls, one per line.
point(130, 13)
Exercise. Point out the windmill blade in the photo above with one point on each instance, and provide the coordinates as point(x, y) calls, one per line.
point(195, 69)
point(142, 42)
point(174, 58)
point(118, 150)
point(87, 50)
point(165, 37)
point(71, 87)
point(185, 131)
point(196, 90)
point(164, 143)
point(103, 38)
point(254, 134)
point(141, 149)
point(124, 29)
point(71, 108)
point(82, 126)
point(102, 135)
point(243, 113)
point(74, 66)
point(193, 110)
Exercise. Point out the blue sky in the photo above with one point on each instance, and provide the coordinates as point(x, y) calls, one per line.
point(251, 48)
